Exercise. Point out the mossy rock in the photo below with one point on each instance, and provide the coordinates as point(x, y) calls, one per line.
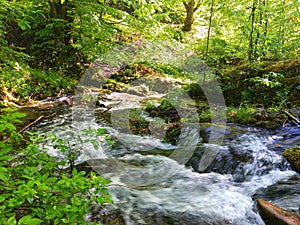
point(293, 156)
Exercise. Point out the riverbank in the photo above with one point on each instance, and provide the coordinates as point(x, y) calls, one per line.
point(255, 94)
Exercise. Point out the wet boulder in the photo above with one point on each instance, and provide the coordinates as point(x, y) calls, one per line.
point(273, 193)
point(272, 214)
point(293, 156)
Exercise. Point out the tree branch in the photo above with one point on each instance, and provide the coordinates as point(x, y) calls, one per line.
point(292, 117)
point(185, 4)
point(198, 5)
point(36, 121)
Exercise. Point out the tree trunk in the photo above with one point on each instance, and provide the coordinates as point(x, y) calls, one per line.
point(58, 10)
point(281, 32)
point(63, 28)
point(250, 51)
point(189, 19)
point(190, 8)
point(209, 26)
point(266, 23)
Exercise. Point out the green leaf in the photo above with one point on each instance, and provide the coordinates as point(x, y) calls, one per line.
point(11, 127)
point(3, 197)
point(34, 221)
point(12, 221)
point(2, 127)
point(61, 182)
point(24, 220)
point(50, 216)
point(81, 173)
point(19, 115)
point(45, 176)
point(74, 172)
point(51, 179)
point(100, 131)
point(4, 177)
point(65, 220)
point(68, 183)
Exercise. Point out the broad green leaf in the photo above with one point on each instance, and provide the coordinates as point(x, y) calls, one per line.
point(50, 216)
point(3, 174)
point(65, 220)
point(81, 173)
point(100, 131)
point(4, 177)
point(12, 221)
point(51, 179)
point(19, 115)
point(45, 176)
point(74, 172)
point(10, 126)
point(24, 220)
point(34, 221)
point(61, 182)
point(3, 197)
point(2, 127)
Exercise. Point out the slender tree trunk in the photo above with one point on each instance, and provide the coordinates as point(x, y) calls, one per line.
point(258, 41)
point(190, 7)
point(281, 32)
point(252, 16)
point(266, 22)
point(209, 26)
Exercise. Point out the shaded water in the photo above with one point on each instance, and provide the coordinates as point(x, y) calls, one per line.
point(160, 190)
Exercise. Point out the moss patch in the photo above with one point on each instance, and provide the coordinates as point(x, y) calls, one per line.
point(293, 156)
point(264, 83)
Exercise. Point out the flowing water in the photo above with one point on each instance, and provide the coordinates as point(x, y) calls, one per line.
point(155, 189)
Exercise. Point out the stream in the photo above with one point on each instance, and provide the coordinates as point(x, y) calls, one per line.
point(156, 189)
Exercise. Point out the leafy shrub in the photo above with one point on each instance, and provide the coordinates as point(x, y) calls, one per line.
point(35, 188)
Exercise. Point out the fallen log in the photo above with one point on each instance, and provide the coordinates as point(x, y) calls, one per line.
point(274, 215)
point(42, 105)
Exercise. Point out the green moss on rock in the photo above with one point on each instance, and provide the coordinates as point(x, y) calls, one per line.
point(293, 156)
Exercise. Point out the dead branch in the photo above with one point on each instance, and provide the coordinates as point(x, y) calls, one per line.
point(292, 117)
point(36, 121)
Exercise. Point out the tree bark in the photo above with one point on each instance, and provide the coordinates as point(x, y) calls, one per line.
point(209, 26)
point(190, 7)
point(63, 32)
point(250, 51)
point(58, 10)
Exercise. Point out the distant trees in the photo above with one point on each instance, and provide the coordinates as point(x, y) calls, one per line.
point(49, 30)
point(251, 29)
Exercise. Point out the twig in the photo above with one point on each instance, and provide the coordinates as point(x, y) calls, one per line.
point(29, 125)
point(283, 124)
point(36, 121)
point(292, 117)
